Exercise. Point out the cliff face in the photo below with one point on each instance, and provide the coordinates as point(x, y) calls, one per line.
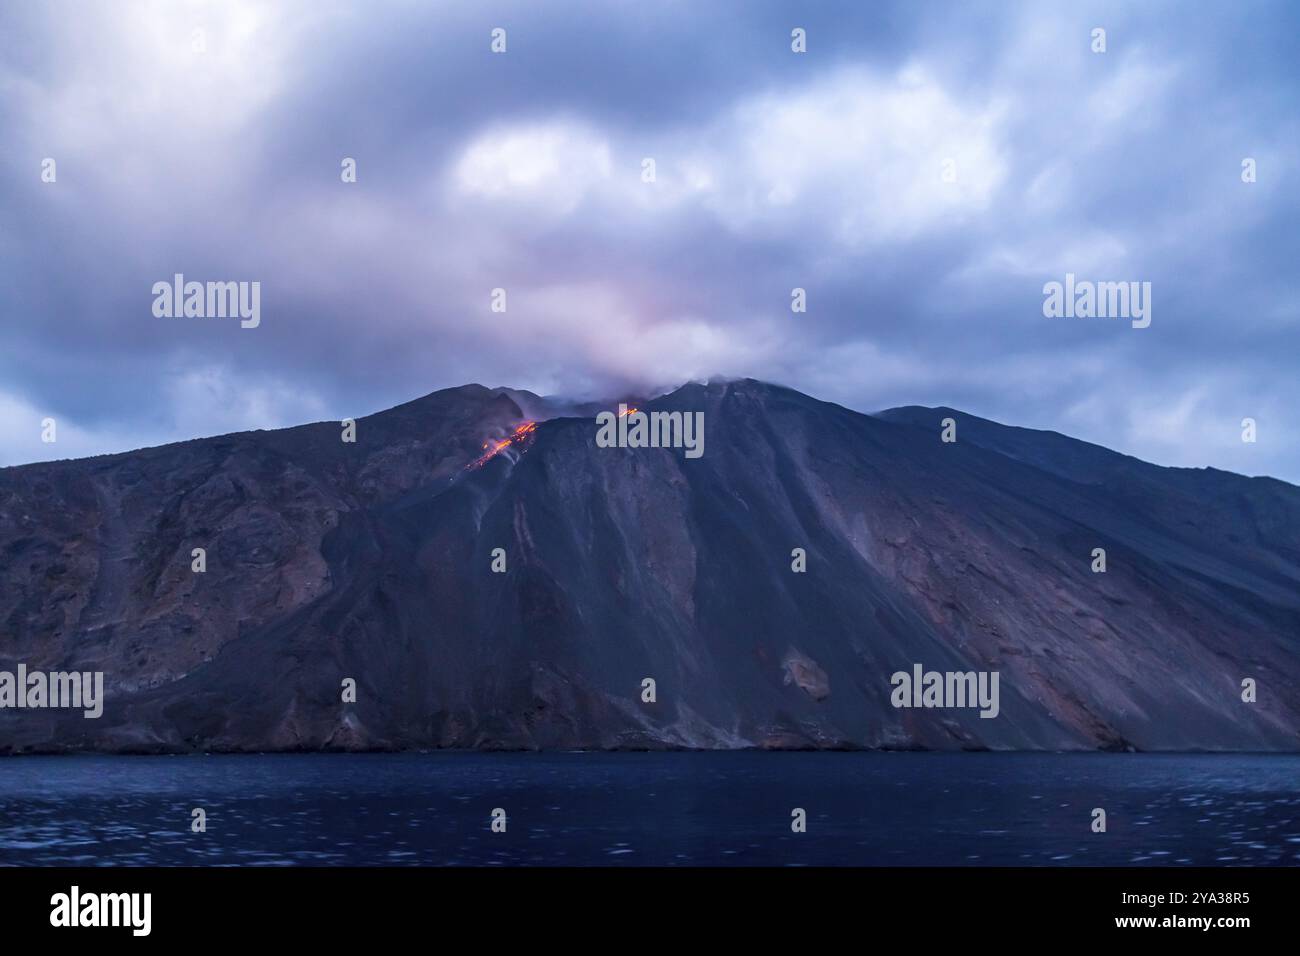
point(373, 561)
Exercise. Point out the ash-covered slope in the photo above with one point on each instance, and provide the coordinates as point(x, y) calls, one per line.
point(373, 561)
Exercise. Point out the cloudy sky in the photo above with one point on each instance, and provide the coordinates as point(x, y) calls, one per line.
point(207, 139)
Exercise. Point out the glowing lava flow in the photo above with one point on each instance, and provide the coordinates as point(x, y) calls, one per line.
point(493, 447)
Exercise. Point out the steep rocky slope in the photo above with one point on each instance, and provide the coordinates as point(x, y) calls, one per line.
point(372, 561)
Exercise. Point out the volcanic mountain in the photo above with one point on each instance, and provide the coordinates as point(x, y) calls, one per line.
point(376, 561)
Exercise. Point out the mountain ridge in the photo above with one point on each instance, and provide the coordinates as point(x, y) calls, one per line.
point(371, 560)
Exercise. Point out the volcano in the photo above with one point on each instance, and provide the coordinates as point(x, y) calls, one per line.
point(486, 576)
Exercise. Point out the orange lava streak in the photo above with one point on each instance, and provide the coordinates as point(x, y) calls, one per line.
point(493, 447)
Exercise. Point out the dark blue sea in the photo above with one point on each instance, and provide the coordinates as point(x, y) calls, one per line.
point(663, 809)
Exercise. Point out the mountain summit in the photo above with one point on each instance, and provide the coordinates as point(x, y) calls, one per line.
point(486, 576)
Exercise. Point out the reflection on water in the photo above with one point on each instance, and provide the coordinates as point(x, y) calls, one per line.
point(652, 809)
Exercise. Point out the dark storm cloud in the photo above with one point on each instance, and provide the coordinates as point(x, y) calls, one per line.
point(775, 170)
